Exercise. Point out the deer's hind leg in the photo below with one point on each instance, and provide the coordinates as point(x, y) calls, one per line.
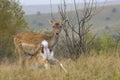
point(22, 57)
point(20, 51)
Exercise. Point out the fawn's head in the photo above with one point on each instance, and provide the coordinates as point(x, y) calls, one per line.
point(57, 26)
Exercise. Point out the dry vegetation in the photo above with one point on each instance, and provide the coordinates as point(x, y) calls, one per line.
point(100, 64)
point(92, 67)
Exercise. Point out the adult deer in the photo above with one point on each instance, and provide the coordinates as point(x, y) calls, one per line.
point(28, 44)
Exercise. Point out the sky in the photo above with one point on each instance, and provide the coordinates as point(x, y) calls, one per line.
point(40, 2)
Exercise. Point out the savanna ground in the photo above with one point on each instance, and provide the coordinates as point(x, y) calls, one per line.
point(105, 66)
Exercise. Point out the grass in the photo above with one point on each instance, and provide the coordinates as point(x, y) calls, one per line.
point(92, 67)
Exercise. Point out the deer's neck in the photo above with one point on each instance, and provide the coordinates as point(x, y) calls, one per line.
point(53, 41)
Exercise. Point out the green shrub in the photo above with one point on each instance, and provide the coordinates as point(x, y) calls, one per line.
point(11, 21)
point(104, 43)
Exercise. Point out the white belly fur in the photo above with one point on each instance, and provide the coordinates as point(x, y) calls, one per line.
point(29, 48)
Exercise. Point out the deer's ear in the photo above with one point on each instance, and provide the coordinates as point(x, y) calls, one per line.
point(64, 21)
point(51, 21)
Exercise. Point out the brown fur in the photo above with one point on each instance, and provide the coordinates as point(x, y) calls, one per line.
point(35, 39)
point(32, 37)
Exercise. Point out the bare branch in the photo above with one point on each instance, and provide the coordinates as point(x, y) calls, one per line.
point(51, 11)
point(75, 35)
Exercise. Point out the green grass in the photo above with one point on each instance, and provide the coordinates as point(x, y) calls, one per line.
point(92, 67)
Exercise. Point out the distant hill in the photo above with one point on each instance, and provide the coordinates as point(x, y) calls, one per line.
point(108, 19)
point(37, 9)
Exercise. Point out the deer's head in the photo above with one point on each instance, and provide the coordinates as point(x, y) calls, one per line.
point(57, 26)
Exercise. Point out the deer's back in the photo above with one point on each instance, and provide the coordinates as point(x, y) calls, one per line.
point(32, 37)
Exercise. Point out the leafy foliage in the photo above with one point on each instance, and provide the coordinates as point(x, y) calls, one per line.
point(11, 21)
point(11, 18)
point(105, 43)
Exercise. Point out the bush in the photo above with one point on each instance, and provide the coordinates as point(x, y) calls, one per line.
point(114, 10)
point(104, 43)
point(11, 21)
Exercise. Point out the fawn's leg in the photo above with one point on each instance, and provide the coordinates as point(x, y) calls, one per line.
point(58, 62)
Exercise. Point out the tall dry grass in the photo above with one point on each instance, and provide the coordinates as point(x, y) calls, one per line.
point(90, 67)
